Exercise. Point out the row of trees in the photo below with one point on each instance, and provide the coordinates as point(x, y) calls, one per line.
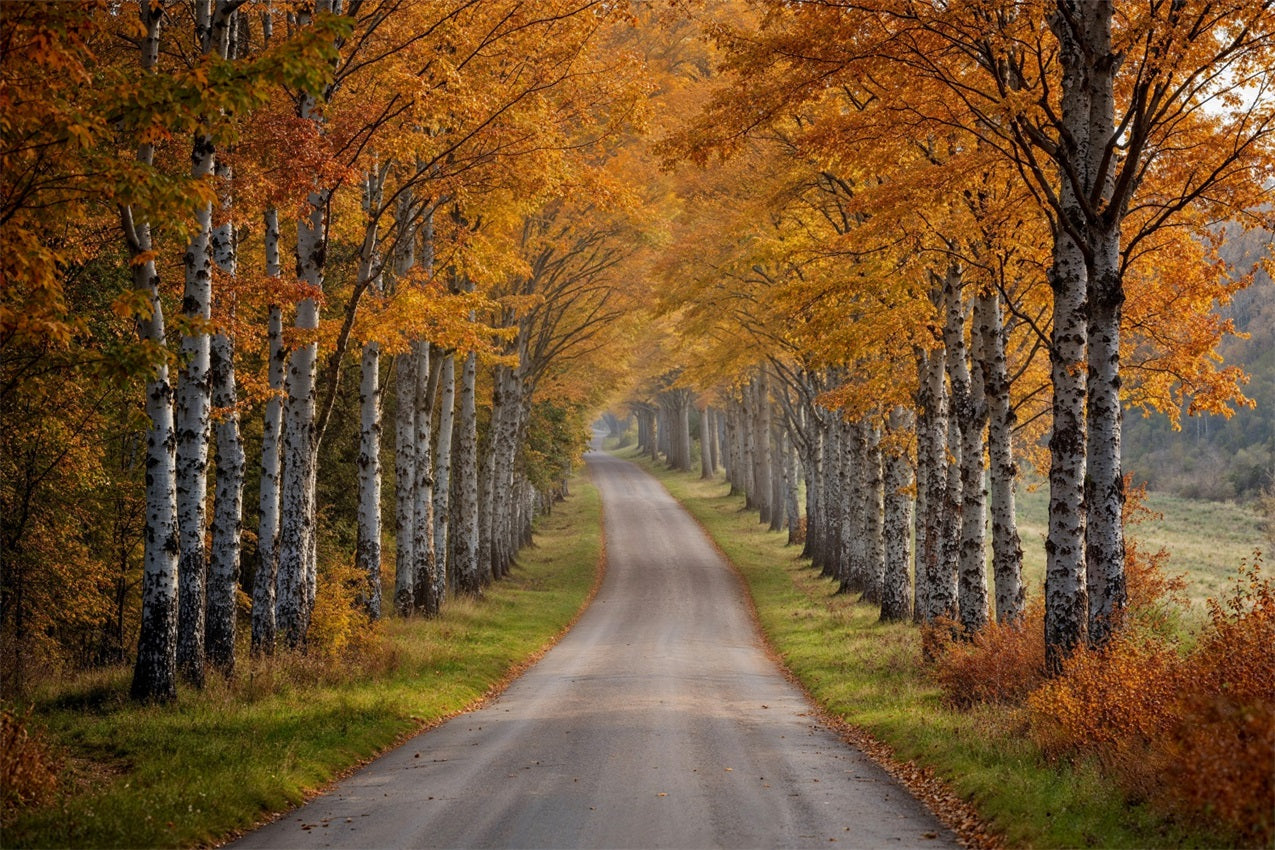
point(442, 177)
point(958, 235)
point(933, 238)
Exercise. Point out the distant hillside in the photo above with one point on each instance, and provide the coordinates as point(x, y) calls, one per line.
point(1213, 457)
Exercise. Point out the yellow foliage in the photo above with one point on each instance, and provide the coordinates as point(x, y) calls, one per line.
point(340, 628)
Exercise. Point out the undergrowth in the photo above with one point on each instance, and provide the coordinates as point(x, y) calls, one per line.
point(1183, 721)
point(28, 768)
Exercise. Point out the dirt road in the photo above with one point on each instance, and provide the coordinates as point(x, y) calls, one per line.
point(658, 721)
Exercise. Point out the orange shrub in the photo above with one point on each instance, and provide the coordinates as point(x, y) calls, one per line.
point(1113, 704)
point(1196, 732)
point(1222, 750)
point(1004, 664)
point(28, 771)
point(798, 534)
point(1154, 597)
point(1000, 664)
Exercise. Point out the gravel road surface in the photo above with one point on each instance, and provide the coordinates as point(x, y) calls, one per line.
point(658, 721)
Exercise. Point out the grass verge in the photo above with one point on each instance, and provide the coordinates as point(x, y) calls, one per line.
point(227, 758)
point(870, 675)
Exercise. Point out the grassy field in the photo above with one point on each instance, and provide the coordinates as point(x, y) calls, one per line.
point(222, 760)
point(871, 676)
point(1206, 541)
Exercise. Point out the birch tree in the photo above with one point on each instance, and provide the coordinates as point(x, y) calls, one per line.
point(264, 581)
point(155, 672)
point(223, 566)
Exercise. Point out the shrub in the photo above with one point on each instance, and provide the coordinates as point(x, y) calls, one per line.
point(28, 770)
point(1195, 733)
point(1113, 704)
point(1155, 598)
point(1006, 663)
point(1222, 749)
point(1001, 664)
point(339, 626)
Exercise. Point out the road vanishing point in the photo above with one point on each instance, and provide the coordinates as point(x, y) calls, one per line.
point(657, 721)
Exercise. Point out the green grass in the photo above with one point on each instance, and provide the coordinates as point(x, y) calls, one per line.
point(224, 759)
point(871, 676)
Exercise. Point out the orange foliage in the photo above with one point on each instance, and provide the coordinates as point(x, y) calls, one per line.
point(1193, 732)
point(1222, 749)
point(1112, 703)
point(1003, 663)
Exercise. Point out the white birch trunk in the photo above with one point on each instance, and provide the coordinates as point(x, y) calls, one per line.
point(1066, 607)
point(969, 412)
point(684, 403)
point(873, 513)
point(367, 552)
point(1104, 479)
point(705, 444)
point(405, 481)
point(367, 555)
point(812, 460)
point(896, 594)
point(833, 503)
point(731, 451)
point(486, 475)
point(656, 435)
point(855, 542)
point(920, 521)
point(506, 436)
point(665, 431)
point(227, 529)
point(423, 497)
point(263, 584)
point(847, 498)
point(499, 469)
point(463, 526)
point(155, 672)
point(298, 544)
point(939, 591)
point(1007, 550)
point(194, 399)
point(720, 451)
point(296, 534)
point(759, 438)
point(951, 522)
point(777, 493)
point(714, 442)
point(442, 472)
point(404, 428)
point(792, 515)
point(733, 463)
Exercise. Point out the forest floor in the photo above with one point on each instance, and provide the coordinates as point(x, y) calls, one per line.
point(227, 758)
point(871, 676)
